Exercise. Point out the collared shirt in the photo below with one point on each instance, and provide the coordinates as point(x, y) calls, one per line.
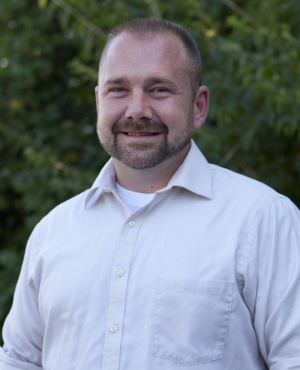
point(205, 276)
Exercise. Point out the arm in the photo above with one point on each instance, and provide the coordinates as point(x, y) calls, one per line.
point(23, 328)
point(273, 271)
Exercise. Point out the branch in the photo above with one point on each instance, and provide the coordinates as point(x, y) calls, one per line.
point(81, 18)
point(230, 154)
point(284, 161)
point(236, 147)
point(249, 171)
point(75, 64)
point(239, 11)
point(154, 8)
point(132, 8)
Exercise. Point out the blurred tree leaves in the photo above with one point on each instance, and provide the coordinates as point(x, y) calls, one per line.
point(49, 55)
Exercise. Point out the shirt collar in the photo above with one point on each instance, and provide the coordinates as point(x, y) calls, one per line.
point(194, 174)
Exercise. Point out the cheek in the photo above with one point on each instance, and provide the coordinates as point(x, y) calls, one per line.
point(109, 113)
point(174, 114)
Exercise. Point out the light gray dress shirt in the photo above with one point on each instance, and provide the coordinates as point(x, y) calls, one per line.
point(205, 276)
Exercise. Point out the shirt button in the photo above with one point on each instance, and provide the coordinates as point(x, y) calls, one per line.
point(131, 224)
point(106, 190)
point(120, 273)
point(113, 328)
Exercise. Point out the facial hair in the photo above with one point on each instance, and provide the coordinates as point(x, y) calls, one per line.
point(141, 155)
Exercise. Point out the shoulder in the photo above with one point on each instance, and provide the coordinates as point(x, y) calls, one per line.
point(54, 225)
point(265, 206)
point(74, 204)
point(65, 215)
point(237, 186)
point(248, 196)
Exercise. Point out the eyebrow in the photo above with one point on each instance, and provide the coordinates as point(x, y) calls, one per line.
point(115, 81)
point(159, 80)
point(148, 81)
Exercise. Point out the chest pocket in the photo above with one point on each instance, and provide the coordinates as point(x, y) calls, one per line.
point(191, 319)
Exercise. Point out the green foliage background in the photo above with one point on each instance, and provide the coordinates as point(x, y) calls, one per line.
point(49, 54)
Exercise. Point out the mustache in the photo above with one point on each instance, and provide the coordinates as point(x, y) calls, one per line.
point(144, 125)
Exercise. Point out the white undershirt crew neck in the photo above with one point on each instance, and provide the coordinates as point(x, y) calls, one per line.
point(134, 199)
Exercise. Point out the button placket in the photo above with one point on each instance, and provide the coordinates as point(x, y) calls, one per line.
point(117, 292)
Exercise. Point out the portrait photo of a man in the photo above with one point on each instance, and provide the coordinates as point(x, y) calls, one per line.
point(167, 262)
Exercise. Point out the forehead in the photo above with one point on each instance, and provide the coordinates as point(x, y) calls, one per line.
point(138, 57)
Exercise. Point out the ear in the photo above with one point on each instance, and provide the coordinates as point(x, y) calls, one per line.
point(97, 100)
point(201, 105)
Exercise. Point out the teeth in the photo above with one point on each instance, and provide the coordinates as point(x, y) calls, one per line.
point(130, 134)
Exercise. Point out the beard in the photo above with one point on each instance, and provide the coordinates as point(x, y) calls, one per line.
point(141, 155)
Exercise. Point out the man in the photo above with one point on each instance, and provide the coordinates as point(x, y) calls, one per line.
point(168, 262)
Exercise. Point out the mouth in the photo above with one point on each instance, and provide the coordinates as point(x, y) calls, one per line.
point(141, 134)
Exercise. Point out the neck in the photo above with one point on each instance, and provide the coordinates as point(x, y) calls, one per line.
point(151, 179)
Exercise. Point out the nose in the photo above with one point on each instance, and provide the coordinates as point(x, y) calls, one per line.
point(138, 107)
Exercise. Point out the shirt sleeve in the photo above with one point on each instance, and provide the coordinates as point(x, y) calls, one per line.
point(272, 288)
point(23, 328)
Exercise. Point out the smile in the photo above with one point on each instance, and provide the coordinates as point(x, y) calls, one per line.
point(141, 134)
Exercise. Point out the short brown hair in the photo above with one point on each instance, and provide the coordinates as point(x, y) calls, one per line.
point(153, 26)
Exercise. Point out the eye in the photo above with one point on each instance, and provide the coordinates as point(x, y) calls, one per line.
point(117, 89)
point(160, 90)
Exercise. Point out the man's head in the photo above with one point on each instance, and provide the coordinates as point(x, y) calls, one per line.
point(147, 110)
point(151, 27)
